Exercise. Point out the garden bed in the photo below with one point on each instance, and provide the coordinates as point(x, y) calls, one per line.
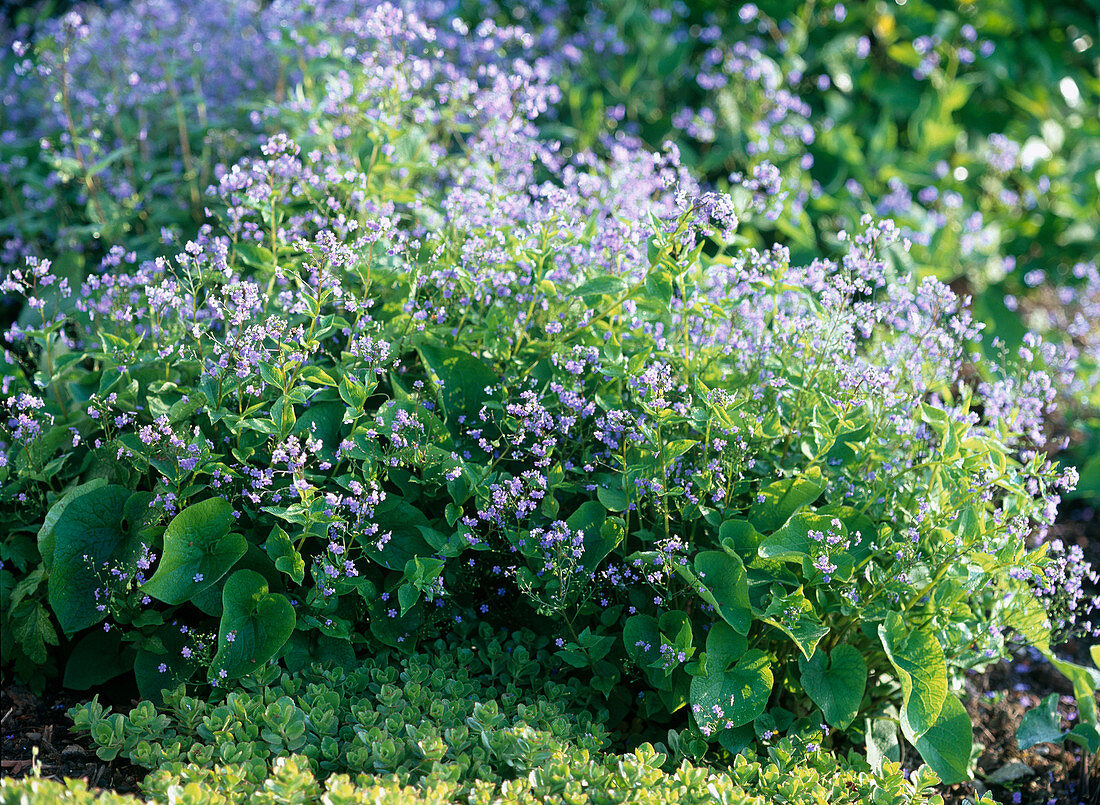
point(430, 402)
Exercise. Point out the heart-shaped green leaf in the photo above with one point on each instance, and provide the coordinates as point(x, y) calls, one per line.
point(724, 575)
point(725, 697)
point(738, 536)
point(322, 421)
point(161, 665)
point(389, 626)
point(792, 542)
point(45, 533)
point(733, 741)
point(642, 640)
point(89, 536)
point(1040, 724)
point(881, 741)
point(398, 539)
point(600, 538)
point(922, 672)
point(97, 657)
point(304, 648)
point(835, 682)
point(465, 378)
point(254, 626)
point(614, 498)
point(784, 498)
point(947, 744)
point(198, 550)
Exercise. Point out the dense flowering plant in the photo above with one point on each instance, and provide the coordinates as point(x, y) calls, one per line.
point(422, 363)
point(936, 119)
point(940, 119)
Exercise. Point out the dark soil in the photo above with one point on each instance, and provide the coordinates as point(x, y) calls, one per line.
point(29, 722)
point(1045, 774)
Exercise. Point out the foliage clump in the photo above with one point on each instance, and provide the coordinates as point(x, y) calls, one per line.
point(480, 706)
point(417, 361)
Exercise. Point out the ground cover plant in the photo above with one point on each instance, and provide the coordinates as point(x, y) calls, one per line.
point(382, 342)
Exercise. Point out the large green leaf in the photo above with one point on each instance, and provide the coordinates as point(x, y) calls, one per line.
point(835, 682)
point(724, 575)
point(89, 537)
point(45, 533)
point(1040, 724)
point(464, 378)
point(736, 684)
point(642, 640)
point(304, 648)
point(881, 741)
point(738, 536)
point(96, 658)
point(947, 744)
point(160, 665)
point(389, 626)
point(322, 421)
point(614, 498)
point(399, 520)
point(792, 542)
point(601, 533)
point(784, 498)
point(922, 672)
point(254, 626)
point(198, 550)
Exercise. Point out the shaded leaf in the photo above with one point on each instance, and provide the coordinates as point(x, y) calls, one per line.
point(835, 682)
point(198, 550)
point(1040, 724)
point(89, 535)
point(255, 624)
point(946, 745)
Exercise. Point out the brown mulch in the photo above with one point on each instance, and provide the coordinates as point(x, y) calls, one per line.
point(29, 722)
point(1046, 774)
